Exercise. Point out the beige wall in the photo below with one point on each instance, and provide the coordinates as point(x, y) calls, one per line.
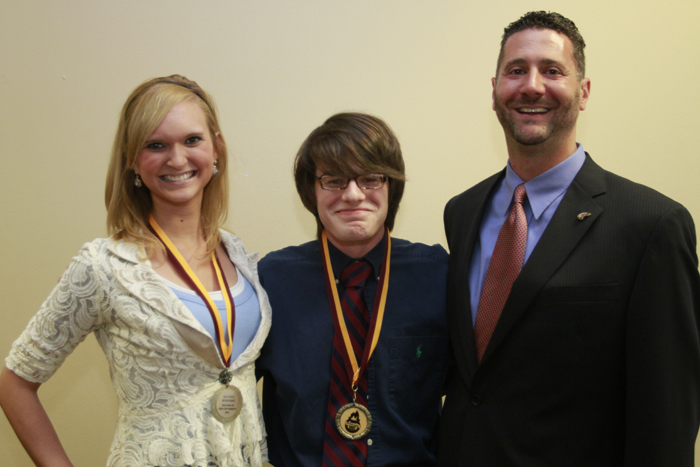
point(277, 70)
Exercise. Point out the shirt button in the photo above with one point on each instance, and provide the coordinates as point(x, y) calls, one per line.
point(476, 400)
point(369, 442)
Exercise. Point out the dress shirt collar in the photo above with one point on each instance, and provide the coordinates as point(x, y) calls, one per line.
point(546, 187)
point(340, 260)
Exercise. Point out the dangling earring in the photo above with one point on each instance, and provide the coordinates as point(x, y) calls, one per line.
point(216, 169)
point(137, 181)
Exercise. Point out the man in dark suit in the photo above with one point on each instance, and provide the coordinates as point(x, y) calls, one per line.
point(583, 348)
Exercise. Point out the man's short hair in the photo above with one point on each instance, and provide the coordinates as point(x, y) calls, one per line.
point(350, 144)
point(555, 22)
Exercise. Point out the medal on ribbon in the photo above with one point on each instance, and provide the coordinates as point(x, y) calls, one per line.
point(227, 402)
point(353, 420)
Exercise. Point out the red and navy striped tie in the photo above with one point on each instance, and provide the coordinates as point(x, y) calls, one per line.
point(337, 450)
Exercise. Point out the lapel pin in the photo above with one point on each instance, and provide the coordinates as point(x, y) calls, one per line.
point(583, 215)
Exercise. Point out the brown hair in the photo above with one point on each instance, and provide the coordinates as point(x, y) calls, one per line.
point(350, 144)
point(128, 207)
point(555, 22)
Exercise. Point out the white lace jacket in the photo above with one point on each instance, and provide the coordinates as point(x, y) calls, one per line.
point(163, 364)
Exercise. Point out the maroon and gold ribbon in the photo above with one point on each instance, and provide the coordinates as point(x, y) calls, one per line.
point(223, 337)
point(375, 325)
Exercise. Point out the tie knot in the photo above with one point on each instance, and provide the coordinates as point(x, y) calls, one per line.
point(355, 274)
point(520, 194)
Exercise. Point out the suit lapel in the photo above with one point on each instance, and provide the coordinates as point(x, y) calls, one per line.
point(561, 236)
point(141, 281)
point(464, 233)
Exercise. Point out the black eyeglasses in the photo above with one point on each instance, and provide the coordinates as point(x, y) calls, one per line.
point(365, 181)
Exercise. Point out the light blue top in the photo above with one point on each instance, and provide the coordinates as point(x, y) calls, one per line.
point(544, 193)
point(248, 315)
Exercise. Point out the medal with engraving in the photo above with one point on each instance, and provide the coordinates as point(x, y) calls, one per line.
point(354, 420)
point(227, 401)
point(226, 404)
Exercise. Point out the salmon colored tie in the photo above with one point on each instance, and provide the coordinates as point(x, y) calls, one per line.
point(506, 263)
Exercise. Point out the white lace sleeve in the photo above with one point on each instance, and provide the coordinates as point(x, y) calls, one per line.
point(69, 314)
point(163, 387)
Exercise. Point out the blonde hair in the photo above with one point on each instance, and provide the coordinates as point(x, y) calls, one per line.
point(128, 207)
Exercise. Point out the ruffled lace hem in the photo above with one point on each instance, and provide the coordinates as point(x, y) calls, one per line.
point(191, 455)
point(192, 437)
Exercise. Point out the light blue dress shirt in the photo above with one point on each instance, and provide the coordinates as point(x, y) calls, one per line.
point(544, 193)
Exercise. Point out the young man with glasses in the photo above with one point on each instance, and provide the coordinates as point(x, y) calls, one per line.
point(356, 358)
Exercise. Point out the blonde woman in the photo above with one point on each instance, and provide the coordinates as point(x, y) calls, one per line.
point(174, 301)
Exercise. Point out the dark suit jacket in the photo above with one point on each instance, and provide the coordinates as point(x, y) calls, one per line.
point(595, 360)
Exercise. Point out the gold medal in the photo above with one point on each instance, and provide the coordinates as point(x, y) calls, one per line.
point(227, 401)
point(226, 404)
point(353, 421)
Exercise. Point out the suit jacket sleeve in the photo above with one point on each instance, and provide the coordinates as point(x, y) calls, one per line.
point(662, 348)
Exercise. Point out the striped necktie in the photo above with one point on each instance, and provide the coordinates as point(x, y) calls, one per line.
point(337, 450)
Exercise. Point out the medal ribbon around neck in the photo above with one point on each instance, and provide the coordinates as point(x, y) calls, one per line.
point(225, 339)
point(375, 325)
